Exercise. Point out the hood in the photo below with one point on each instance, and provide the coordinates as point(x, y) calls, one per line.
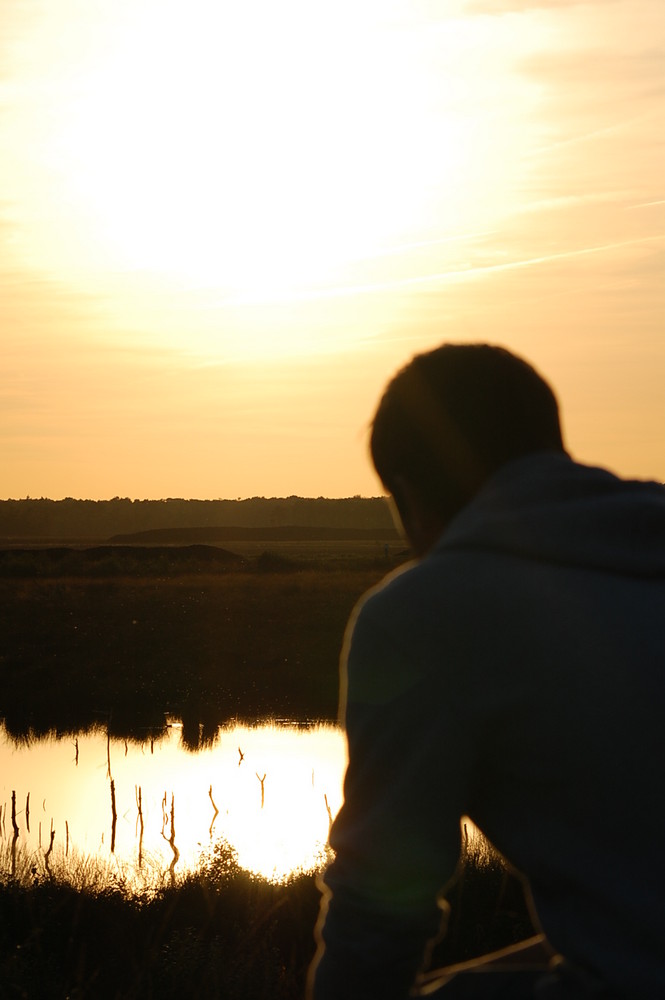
point(548, 508)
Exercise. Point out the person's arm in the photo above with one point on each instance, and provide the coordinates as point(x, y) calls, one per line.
point(396, 839)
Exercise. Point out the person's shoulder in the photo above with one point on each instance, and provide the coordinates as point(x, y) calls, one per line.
point(413, 590)
point(397, 586)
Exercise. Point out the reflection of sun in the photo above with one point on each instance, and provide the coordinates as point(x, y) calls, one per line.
point(287, 829)
point(273, 835)
point(303, 770)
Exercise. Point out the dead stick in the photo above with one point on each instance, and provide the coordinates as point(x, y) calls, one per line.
point(170, 840)
point(330, 815)
point(263, 791)
point(216, 813)
point(139, 819)
point(14, 823)
point(15, 837)
point(114, 816)
point(50, 848)
point(176, 852)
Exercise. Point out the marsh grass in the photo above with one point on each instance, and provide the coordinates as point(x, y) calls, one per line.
point(85, 929)
point(207, 648)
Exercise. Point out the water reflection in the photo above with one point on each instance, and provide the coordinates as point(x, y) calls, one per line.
point(269, 791)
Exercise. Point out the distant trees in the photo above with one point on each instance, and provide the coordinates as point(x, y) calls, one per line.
point(96, 520)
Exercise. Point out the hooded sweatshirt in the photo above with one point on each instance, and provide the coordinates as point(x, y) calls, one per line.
point(515, 675)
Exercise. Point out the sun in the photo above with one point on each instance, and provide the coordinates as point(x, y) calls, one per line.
point(191, 166)
point(250, 147)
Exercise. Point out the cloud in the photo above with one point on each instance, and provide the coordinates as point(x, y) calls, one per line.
point(634, 74)
point(500, 7)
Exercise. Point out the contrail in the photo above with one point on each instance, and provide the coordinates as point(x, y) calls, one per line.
point(441, 276)
point(648, 204)
point(591, 134)
point(416, 245)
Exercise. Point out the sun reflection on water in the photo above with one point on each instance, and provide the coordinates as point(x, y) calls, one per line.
point(269, 792)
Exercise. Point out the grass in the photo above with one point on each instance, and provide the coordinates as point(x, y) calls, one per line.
point(223, 933)
point(243, 643)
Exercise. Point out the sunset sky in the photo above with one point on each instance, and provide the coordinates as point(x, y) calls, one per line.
point(224, 225)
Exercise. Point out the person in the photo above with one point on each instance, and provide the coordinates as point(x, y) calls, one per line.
point(512, 673)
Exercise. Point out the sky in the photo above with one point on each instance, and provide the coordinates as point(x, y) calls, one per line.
point(224, 226)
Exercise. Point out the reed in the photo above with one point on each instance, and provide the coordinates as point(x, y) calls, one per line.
point(85, 929)
point(80, 928)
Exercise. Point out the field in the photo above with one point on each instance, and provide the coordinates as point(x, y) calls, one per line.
point(124, 640)
point(127, 640)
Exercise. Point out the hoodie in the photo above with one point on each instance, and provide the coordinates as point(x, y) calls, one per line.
point(515, 675)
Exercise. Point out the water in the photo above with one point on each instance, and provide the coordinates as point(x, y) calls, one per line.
point(142, 809)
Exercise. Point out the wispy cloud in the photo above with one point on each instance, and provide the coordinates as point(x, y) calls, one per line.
point(649, 204)
point(499, 7)
point(452, 275)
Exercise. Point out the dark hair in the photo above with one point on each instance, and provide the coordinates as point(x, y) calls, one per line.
point(453, 416)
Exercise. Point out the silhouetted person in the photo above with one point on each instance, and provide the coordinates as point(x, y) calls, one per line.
point(513, 673)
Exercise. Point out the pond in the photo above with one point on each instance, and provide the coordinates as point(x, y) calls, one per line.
point(140, 809)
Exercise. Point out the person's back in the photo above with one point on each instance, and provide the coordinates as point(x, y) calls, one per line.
point(516, 674)
point(545, 661)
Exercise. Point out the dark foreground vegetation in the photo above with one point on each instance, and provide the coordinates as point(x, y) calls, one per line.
point(222, 934)
point(124, 636)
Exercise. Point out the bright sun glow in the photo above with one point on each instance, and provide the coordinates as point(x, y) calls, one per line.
point(241, 154)
point(252, 147)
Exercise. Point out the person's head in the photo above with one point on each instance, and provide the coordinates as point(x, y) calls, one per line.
point(448, 421)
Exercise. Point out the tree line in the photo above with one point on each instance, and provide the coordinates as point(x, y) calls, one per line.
point(101, 519)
